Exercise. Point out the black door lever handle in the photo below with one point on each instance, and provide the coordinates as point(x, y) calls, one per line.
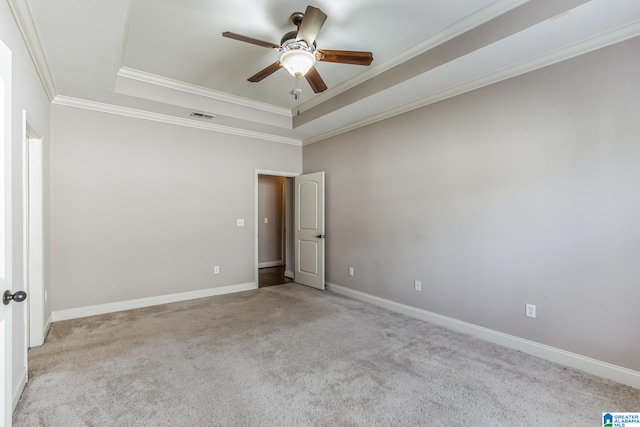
point(321, 236)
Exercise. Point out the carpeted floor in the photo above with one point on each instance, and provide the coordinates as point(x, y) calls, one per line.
point(293, 356)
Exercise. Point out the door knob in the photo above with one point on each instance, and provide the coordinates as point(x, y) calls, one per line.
point(17, 297)
point(320, 236)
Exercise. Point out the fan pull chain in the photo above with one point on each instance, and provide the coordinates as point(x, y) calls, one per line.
point(296, 92)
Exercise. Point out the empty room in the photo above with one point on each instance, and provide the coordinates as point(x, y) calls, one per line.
point(444, 194)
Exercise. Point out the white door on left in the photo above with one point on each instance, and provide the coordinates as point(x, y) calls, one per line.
point(6, 407)
point(11, 343)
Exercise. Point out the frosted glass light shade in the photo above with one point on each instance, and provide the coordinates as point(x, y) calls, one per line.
point(298, 61)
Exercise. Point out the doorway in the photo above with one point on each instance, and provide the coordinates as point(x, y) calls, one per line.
point(274, 228)
point(33, 232)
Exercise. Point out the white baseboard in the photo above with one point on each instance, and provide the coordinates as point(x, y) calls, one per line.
point(47, 326)
point(288, 274)
point(75, 313)
point(17, 392)
point(270, 264)
point(45, 331)
point(572, 360)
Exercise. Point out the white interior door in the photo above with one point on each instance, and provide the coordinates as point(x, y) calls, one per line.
point(6, 406)
point(5, 363)
point(5, 310)
point(309, 230)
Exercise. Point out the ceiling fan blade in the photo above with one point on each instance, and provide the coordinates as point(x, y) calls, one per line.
point(311, 24)
point(315, 81)
point(345, 56)
point(251, 40)
point(265, 72)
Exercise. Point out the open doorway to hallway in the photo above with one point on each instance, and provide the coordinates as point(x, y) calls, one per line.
point(275, 230)
point(272, 276)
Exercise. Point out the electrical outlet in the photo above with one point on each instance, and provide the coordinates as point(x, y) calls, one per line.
point(417, 285)
point(240, 222)
point(216, 269)
point(350, 271)
point(266, 220)
point(530, 311)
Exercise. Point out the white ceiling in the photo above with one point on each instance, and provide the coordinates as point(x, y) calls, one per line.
point(163, 59)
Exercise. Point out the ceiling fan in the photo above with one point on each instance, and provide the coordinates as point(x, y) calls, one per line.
point(299, 53)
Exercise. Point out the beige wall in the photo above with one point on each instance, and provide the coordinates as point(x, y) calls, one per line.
point(27, 95)
point(526, 191)
point(270, 206)
point(142, 209)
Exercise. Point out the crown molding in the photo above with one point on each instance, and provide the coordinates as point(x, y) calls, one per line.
point(24, 20)
point(127, 33)
point(154, 79)
point(571, 51)
point(472, 21)
point(164, 118)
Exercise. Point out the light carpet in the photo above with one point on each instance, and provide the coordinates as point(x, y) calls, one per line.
point(293, 356)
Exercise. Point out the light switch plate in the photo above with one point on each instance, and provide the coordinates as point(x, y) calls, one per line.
point(530, 311)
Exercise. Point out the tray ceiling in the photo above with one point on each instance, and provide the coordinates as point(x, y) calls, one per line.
point(164, 59)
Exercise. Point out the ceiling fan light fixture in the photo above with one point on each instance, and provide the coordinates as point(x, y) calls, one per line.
point(298, 61)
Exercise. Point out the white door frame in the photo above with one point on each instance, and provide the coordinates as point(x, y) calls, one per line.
point(33, 232)
point(257, 174)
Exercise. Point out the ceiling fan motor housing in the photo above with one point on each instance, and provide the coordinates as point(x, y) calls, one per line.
point(291, 35)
